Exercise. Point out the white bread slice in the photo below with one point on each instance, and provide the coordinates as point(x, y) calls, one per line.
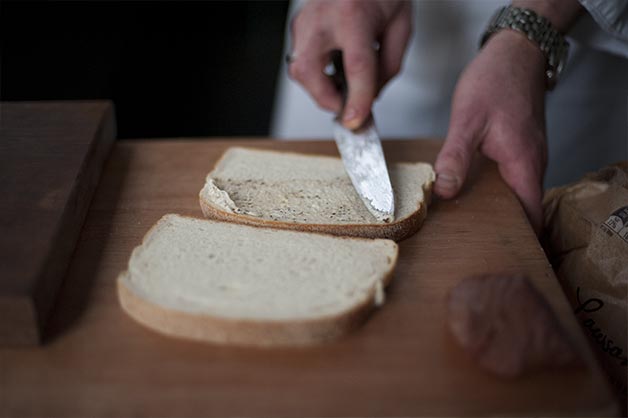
point(310, 193)
point(242, 285)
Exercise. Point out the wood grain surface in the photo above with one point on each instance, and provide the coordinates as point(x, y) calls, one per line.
point(402, 362)
point(51, 157)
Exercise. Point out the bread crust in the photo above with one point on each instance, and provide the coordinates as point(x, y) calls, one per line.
point(244, 332)
point(397, 230)
point(240, 332)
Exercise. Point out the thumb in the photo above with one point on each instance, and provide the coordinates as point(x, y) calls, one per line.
point(454, 159)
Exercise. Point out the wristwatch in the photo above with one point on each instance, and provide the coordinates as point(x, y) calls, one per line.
point(537, 29)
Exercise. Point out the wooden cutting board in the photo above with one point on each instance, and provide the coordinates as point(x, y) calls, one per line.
point(51, 157)
point(402, 362)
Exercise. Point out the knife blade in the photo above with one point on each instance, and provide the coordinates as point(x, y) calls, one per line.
point(363, 156)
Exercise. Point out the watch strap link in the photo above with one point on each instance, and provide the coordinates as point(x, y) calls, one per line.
point(537, 29)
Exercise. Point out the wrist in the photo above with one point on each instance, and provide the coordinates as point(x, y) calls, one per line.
point(513, 46)
point(517, 41)
point(536, 29)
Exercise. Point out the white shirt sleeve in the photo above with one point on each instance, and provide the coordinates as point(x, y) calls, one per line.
point(605, 27)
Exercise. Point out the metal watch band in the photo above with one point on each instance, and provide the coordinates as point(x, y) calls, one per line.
point(537, 29)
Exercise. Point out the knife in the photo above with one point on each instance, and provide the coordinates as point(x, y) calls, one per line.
point(362, 155)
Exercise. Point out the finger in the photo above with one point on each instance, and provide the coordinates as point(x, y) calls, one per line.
point(360, 66)
point(394, 43)
point(308, 71)
point(525, 177)
point(454, 159)
point(311, 46)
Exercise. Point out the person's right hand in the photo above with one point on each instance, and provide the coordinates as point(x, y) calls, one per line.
point(353, 27)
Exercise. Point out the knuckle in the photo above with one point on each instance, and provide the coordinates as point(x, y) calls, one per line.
point(309, 23)
point(298, 71)
point(467, 116)
point(458, 153)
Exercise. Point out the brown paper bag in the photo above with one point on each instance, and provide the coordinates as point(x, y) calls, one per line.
point(587, 240)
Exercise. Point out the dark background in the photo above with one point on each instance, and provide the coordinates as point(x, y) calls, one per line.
point(172, 68)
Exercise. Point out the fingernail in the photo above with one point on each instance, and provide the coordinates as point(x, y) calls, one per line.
point(349, 113)
point(350, 118)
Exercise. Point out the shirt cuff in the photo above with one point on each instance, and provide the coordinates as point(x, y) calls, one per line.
point(605, 27)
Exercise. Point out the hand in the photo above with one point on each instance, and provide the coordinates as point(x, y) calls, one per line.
point(352, 27)
point(498, 109)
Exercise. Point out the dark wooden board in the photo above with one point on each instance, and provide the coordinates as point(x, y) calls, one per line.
point(99, 362)
point(51, 158)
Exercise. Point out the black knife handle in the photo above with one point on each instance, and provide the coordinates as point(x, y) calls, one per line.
point(338, 75)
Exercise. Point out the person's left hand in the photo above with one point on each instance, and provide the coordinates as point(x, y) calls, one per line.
point(499, 109)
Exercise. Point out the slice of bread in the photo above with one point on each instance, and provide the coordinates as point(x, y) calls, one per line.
point(235, 284)
point(310, 193)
